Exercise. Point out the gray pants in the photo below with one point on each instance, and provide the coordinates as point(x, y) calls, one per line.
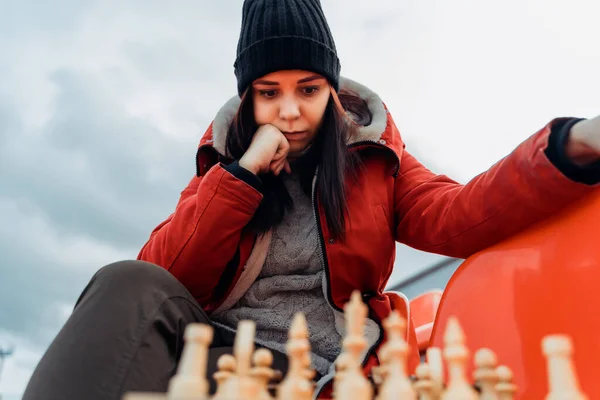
point(125, 334)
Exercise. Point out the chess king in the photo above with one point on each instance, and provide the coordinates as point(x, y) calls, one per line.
point(301, 187)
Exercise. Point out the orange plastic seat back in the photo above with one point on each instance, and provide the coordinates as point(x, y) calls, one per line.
point(543, 281)
point(423, 309)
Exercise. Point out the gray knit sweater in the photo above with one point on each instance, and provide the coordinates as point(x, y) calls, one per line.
point(291, 281)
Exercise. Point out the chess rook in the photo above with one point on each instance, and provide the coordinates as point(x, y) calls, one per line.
point(563, 382)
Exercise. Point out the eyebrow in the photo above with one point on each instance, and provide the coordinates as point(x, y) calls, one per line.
point(303, 80)
point(310, 78)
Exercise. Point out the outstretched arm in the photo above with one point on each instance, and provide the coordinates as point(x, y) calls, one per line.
point(437, 214)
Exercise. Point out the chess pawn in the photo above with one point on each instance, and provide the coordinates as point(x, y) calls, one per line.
point(262, 372)
point(190, 380)
point(341, 366)
point(435, 361)
point(505, 387)
point(295, 385)
point(424, 386)
point(396, 385)
point(226, 366)
point(354, 385)
point(241, 385)
point(562, 378)
point(485, 373)
point(378, 375)
point(456, 354)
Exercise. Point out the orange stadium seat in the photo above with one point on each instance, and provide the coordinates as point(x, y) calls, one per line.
point(543, 281)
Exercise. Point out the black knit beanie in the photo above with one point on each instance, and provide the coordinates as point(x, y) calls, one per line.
point(283, 35)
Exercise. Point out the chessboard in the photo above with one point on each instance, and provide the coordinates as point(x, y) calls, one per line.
point(247, 374)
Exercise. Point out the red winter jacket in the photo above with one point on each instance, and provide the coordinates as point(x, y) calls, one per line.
point(204, 243)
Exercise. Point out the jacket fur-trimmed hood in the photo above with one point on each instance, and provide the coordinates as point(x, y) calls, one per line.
point(380, 131)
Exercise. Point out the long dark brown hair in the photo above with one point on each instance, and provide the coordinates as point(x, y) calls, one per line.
point(329, 152)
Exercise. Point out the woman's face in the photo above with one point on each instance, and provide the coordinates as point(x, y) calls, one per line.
point(294, 102)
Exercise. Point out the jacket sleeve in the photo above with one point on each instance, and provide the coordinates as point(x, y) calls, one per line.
point(437, 214)
point(196, 242)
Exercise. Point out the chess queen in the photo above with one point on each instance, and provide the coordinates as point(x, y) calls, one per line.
point(299, 191)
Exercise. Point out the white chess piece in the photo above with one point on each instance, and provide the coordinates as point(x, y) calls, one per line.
point(241, 385)
point(396, 384)
point(296, 385)
point(435, 361)
point(190, 380)
point(485, 373)
point(354, 385)
point(226, 367)
point(505, 387)
point(424, 385)
point(562, 378)
point(341, 365)
point(456, 354)
point(262, 372)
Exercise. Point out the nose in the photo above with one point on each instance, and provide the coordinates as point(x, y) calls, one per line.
point(289, 109)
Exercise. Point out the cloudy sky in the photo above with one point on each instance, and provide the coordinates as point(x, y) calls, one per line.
point(102, 103)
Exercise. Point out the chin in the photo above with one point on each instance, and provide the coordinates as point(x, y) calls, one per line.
point(297, 150)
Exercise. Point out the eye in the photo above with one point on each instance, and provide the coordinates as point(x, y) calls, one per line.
point(269, 94)
point(310, 90)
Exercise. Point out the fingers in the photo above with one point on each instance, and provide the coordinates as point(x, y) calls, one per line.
point(268, 138)
point(282, 151)
point(277, 166)
point(279, 161)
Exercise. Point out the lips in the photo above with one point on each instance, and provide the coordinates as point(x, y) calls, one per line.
point(294, 135)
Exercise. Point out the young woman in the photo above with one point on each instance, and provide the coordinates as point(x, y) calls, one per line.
point(302, 187)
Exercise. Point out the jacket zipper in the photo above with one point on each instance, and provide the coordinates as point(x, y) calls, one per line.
point(322, 255)
point(325, 266)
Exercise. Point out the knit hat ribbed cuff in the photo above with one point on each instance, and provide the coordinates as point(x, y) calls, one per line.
point(286, 53)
